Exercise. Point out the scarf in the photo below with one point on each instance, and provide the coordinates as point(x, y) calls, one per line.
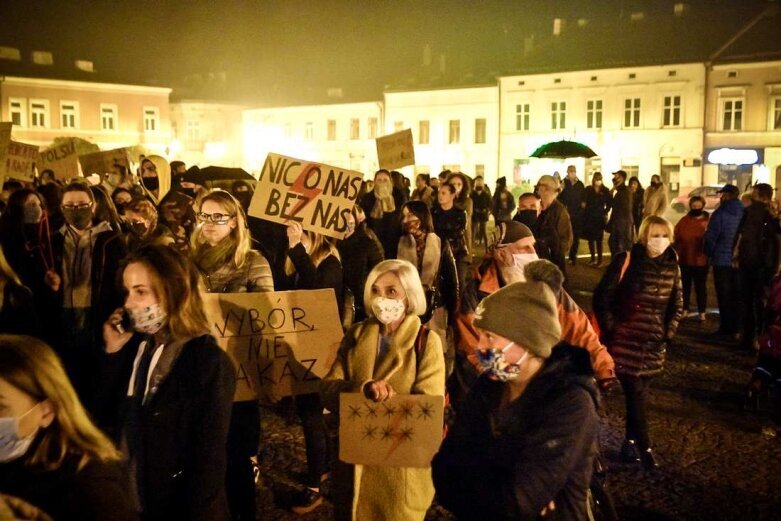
point(408, 251)
point(383, 200)
point(211, 258)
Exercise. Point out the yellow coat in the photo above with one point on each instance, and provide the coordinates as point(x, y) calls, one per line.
point(387, 493)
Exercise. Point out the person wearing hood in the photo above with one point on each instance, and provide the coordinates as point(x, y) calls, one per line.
point(382, 206)
point(243, 192)
point(155, 177)
point(524, 443)
point(638, 304)
point(719, 240)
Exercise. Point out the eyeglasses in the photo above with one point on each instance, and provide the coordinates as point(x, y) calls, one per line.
point(82, 206)
point(216, 218)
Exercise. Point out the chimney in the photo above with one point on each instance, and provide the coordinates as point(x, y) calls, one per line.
point(42, 58)
point(10, 53)
point(680, 8)
point(637, 16)
point(85, 65)
point(558, 25)
point(442, 63)
point(426, 55)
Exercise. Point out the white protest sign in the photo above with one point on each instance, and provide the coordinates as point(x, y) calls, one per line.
point(282, 342)
point(396, 150)
point(63, 160)
point(316, 195)
point(20, 162)
point(104, 162)
point(404, 431)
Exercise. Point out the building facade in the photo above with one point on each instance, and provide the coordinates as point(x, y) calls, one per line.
point(207, 133)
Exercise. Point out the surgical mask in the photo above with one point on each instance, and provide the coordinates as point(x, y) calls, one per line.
point(491, 362)
point(522, 259)
point(657, 245)
point(388, 310)
point(79, 218)
point(32, 214)
point(11, 445)
point(151, 183)
point(148, 320)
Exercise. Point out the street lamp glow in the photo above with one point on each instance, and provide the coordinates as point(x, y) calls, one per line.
point(733, 156)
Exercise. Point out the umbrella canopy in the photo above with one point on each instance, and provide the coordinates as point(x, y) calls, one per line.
point(563, 150)
point(215, 173)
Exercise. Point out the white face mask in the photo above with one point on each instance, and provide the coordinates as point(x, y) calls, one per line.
point(11, 445)
point(388, 310)
point(522, 259)
point(657, 245)
point(148, 320)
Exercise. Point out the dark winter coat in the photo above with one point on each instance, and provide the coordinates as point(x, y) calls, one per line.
point(553, 233)
point(595, 215)
point(387, 227)
point(621, 219)
point(573, 196)
point(638, 206)
point(360, 252)
point(639, 313)
point(97, 492)
point(481, 204)
point(17, 311)
point(450, 226)
point(509, 464)
point(757, 240)
point(328, 274)
point(721, 232)
point(178, 437)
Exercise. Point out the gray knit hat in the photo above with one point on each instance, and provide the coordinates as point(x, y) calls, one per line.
point(524, 312)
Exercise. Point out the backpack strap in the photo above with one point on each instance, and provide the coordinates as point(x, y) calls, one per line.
point(420, 343)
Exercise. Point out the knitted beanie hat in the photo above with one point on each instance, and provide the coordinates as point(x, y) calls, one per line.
point(524, 312)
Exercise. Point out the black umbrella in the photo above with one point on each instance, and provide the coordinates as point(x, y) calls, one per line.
point(214, 173)
point(563, 150)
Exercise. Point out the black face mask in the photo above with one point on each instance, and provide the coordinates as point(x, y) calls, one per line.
point(527, 217)
point(151, 183)
point(696, 213)
point(244, 199)
point(80, 218)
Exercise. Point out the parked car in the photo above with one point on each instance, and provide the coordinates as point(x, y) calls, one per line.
point(710, 192)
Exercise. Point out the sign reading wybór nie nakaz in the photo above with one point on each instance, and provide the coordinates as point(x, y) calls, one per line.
point(316, 195)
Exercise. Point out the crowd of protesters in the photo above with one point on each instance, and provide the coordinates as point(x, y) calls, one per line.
point(116, 401)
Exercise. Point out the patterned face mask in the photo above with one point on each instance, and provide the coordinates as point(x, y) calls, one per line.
point(148, 320)
point(388, 310)
point(491, 361)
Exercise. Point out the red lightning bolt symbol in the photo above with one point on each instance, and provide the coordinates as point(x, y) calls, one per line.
point(299, 187)
point(395, 426)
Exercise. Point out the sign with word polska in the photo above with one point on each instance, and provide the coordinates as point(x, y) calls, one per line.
point(281, 342)
point(396, 150)
point(316, 195)
point(20, 162)
point(62, 159)
point(404, 431)
point(104, 162)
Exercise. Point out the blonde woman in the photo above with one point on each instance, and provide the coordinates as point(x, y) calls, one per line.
point(378, 357)
point(639, 303)
point(51, 455)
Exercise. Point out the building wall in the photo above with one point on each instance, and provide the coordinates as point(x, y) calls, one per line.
point(130, 103)
point(646, 149)
point(303, 132)
point(437, 109)
point(207, 133)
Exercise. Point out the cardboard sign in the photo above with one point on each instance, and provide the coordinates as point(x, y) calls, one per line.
point(405, 431)
point(396, 150)
point(63, 160)
point(5, 139)
point(282, 342)
point(316, 195)
point(104, 162)
point(20, 161)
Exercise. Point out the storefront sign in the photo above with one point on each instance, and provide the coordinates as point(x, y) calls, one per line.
point(735, 156)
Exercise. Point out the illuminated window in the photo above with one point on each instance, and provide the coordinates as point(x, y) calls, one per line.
point(732, 114)
point(479, 170)
point(423, 132)
point(355, 128)
point(672, 111)
point(454, 136)
point(331, 130)
point(39, 113)
point(480, 130)
point(632, 113)
point(309, 131)
point(558, 114)
point(109, 120)
point(17, 108)
point(193, 130)
point(151, 119)
point(522, 116)
point(775, 113)
point(69, 114)
point(594, 113)
point(631, 170)
point(372, 128)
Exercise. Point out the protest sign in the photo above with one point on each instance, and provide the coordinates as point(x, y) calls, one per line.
point(404, 431)
point(104, 162)
point(316, 195)
point(282, 342)
point(19, 162)
point(5, 139)
point(396, 150)
point(62, 159)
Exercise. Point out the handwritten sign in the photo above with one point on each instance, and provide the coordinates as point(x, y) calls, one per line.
point(316, 195)
point(396, 150)
point(104, 162)
point(63, 160)
point(20, 161)
point(405, 431)
point(282, 342)
point(5, 139)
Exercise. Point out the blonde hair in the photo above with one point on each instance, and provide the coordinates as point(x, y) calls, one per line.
point(409, 279)
point(239, 235)
point(645, 226)
point(31, 366)
point(320, 249)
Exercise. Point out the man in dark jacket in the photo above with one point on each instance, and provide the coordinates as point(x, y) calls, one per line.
point(756, 252)
point(481, 203)
point(552, 229)
point(719, 241)
point(620, 224)
point(573, 195)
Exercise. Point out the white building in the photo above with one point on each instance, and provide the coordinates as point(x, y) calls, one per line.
point(454, 129)
point(207, 133)
point(645, 120)
point(337, 134)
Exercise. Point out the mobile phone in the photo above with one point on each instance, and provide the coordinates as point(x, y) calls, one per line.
point(124, 323)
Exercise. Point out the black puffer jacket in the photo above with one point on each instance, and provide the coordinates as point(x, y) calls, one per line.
point(639, 313)
point(360, 252)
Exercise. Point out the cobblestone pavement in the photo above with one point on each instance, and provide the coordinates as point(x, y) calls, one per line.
point(716, 463)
